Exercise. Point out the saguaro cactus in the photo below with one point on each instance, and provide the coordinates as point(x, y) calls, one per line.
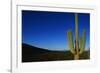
point(79, 46)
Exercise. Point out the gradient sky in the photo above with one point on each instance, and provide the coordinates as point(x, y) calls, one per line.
point(49, 29)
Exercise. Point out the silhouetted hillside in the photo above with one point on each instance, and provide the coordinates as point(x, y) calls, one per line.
point(30, 52)
point(34, 54)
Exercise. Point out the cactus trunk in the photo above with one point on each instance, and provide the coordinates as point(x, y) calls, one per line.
point(76, 32)
point(76, 57)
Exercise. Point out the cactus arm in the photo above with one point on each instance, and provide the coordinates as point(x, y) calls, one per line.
point(81, 45)
point(82, 42)
point(70, 42)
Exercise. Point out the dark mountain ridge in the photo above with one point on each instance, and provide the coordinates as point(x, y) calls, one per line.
point(35, 54)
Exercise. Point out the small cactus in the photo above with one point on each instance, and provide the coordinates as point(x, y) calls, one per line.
point(79, 44)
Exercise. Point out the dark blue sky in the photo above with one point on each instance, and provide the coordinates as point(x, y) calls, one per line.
point(49, 29)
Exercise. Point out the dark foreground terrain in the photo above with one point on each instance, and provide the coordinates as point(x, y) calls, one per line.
point(35, 54)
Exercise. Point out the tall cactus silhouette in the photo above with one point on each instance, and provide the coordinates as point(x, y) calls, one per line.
point(79, 46)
